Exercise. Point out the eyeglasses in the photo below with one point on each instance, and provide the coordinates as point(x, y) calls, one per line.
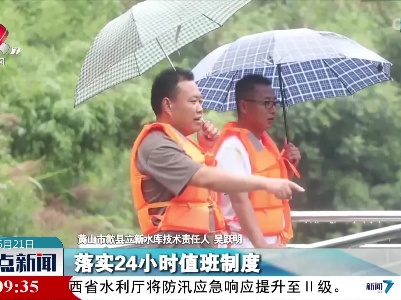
point(268, 104)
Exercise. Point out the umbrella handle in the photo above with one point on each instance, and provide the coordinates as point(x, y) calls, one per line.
point(282, 93)
point(285, 123)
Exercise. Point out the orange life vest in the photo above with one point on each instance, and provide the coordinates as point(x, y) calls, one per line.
point(273, 215)
point(189, 212)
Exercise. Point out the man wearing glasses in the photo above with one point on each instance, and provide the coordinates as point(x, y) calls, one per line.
point(245, 148)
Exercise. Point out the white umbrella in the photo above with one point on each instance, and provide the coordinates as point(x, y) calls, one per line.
point(146, 34)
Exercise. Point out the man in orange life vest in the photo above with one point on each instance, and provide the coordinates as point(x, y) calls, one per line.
point(174, 181)
point(245, 148)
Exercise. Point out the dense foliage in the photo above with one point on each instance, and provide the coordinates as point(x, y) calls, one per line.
point(63, 171)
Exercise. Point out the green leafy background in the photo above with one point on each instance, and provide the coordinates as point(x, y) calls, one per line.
point(64, 171)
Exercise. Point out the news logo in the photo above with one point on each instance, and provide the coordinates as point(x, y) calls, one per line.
point(3, 36)
point(378, 286)
point(4, 48)
point(27, 263)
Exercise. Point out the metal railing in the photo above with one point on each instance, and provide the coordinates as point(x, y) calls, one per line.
point(359, 239)
point(363, 239)
point(345, 216)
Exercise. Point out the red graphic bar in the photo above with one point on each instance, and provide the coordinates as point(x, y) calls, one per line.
point(36, 287)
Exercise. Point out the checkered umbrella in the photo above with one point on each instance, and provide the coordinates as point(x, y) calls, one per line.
point(143, 36)
point(303, 64)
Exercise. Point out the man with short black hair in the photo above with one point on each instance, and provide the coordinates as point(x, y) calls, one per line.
point(245, 148)
point(174, 180)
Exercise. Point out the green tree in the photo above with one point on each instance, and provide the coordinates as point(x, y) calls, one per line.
point(18, 189)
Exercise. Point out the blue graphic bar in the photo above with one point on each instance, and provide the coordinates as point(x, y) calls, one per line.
point(231, 262)
point(167, 262)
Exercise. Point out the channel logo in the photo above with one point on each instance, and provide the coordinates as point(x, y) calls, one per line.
point(3, 36)
point(4, 48)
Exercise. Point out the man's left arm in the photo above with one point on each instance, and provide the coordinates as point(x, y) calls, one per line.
point(294, 156)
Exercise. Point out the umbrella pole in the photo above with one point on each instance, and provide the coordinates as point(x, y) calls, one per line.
point(281, 84)
point(165, 54)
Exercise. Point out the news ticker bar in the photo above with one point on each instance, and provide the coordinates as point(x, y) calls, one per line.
point(206, 287)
